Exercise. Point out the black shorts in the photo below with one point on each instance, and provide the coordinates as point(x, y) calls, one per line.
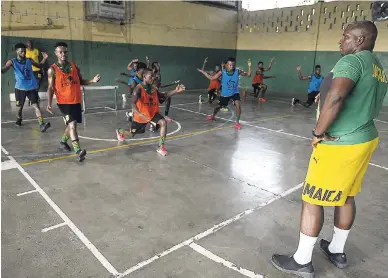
point(137, 128)
point(71, 112)
point(21, 95)
point(224, 101)
point(311, 97)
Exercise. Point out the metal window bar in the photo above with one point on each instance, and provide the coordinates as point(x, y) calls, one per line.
point(234, 5)
point(92, 88)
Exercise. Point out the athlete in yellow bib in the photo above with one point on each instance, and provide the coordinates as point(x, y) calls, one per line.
point(343, 142)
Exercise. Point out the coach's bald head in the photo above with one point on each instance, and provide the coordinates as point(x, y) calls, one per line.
point(358, 36)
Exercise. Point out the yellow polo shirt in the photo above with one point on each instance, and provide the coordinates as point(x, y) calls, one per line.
point(34, 55)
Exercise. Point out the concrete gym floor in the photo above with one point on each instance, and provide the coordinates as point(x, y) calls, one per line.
point(219, 205)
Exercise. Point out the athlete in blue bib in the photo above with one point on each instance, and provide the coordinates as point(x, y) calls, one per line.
point(313, 90)
point(229, 87)
point(26, 84)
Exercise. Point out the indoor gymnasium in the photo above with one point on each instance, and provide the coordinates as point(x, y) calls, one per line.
point(194, 139)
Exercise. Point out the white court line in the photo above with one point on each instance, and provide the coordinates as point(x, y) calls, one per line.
point(4, 150)
point(379, 166)
point(210, 231)
point(7, 165)
point(245, 123)
point(93, 113)
point(179, 127)
point(224, 262)
point(53, 227)
point(27, 192)
point(272, 130)
point(66, 219)
point(380, 121)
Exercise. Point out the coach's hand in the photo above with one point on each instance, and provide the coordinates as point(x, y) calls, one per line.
point(316, 140)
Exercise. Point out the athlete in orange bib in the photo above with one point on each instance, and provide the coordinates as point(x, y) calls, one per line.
point(145, 105)
point(65, 80)
point(215, 85)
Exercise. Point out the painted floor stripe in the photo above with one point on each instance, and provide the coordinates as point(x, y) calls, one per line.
point(27, 192)
point(209, 231)
point(7, 165)
point(224, 262)
point(272, 130)
point(53, 227)
point(66, 219)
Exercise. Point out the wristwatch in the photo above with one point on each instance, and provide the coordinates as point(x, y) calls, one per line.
point(319, 136)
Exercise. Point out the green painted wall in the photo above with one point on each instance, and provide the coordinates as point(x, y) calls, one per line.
point(284, 68)
point(109, 59)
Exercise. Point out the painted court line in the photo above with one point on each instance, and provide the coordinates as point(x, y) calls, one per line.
point(380, 121)
point(179, 127)
point(272, 130)
point(94, 113)
point(7, 165)
point(66, 219)
point(224, 262)
point(27, 192)
point(210, 231)
point(143, 142)
point(53, 227)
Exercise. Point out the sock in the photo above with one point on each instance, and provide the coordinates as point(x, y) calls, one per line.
point(161, 141)
point(40, 120)
point(237, 119)
point(305, 249)
point(121, 131)
point(337, 244)
point(76, 146)
point(64, 138)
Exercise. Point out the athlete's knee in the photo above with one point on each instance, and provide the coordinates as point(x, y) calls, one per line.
point(72, 125)
point(264, 87)
point(162, 123)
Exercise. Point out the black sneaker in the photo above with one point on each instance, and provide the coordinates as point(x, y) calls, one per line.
point(287, 264)
point(18, 122)
point(44, 127)
point(65, 146)
point(81, 155)
point(337, 259)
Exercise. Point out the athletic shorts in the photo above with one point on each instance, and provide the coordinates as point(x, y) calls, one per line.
point(71, 112)
point(224, 101)
point(311, 97)
point(336, 172)
point(137, 128)
point(212, 92)
point(257, 85)
point(20, 96)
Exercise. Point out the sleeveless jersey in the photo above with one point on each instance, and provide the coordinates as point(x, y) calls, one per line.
point(137, 80)
point(67, 86)
point(132, 72)
point(214, 84)
point(147, 104)
point(258, 79)
point(315, 83)
point(25, 79)
point(34, 55)
point(229, 83)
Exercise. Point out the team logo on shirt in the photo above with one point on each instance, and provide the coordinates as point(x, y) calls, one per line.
point(70, 81)
point(231, 84)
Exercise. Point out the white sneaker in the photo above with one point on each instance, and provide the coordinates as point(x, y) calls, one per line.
point(293, 101)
